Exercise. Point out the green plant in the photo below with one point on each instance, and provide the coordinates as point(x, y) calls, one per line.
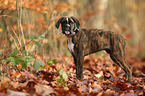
point(22, 57)
point(37, 39)
point(15, 58)
point(50, 61)
point(62, 78)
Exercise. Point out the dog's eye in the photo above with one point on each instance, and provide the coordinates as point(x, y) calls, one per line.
point(71, 22)
point(64, 22)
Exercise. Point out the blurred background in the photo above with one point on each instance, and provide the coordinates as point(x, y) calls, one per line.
point(30, 24)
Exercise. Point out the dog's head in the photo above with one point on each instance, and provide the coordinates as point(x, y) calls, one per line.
point(70, 25)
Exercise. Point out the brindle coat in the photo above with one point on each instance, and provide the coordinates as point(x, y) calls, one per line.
point(82, 42)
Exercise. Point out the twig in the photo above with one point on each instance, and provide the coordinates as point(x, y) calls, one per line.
point(7, 69)
point(18, 15)
point(14, 41)
point(16, 35)
point(21, 33)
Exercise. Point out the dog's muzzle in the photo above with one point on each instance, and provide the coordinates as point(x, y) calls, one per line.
point(69, 34)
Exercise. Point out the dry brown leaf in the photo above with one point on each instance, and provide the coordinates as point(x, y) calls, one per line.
point(16, 93)
point(99, 75)
point(43, 90)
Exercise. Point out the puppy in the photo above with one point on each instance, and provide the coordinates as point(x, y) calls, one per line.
point(82, 42)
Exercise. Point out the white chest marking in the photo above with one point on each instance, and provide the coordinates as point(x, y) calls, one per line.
point(70, 45)
point(67, 19)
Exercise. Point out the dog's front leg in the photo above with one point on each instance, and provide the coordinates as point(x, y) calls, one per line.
point(79, 60)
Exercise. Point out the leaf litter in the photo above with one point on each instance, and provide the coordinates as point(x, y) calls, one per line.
point(101, 78)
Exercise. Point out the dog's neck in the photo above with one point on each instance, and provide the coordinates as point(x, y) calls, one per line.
point(74, 40)
point(70, 45)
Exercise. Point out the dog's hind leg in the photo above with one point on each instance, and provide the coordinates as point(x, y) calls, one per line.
point(122, 63)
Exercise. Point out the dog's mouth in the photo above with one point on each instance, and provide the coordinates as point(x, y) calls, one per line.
point(69, 34)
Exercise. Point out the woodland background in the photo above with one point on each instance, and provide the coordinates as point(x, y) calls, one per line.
point(28, 37)
point(39, 16)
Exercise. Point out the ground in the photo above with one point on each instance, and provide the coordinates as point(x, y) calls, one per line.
point(102, 77)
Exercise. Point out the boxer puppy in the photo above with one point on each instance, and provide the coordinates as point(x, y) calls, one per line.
point(82, 42)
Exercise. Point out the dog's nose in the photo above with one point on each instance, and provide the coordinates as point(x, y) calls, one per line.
point(67, 25)
point(67, 32)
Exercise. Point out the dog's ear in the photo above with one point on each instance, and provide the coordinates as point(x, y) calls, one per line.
point(76, 21)
point(58, 22)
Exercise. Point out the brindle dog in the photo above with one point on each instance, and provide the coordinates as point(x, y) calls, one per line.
point(82, 42)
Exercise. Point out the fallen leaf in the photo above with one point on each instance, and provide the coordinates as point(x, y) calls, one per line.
point(15, 93)
point(30, 87)
point(123, 86)
point(75, 91)
point(44, 90)
point(99, 75)
point(95, 87)
point(47, 75)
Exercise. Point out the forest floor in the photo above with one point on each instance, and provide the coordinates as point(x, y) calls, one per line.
point(102, 77)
